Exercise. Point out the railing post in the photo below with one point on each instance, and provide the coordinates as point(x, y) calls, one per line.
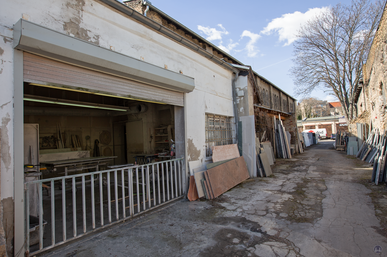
point(154, 187)
point(40, 196)
point(53, 221)
point(148, 186)
point(84, 203)
point(74, 208)
point(92, 200)
point(123, 192)
point(116, 194)
point(130, 192)
point(109, 198)
point(101, 198)
point(27, 217)
point(64, 209)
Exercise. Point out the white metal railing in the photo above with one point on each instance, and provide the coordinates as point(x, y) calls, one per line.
point(73, 206)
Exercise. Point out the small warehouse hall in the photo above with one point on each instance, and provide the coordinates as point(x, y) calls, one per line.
point(77, 121)
point(104, 104)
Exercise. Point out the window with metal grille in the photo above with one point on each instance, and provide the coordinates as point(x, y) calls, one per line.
point(218, 132)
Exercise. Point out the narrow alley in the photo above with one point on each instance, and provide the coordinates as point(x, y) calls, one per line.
point(319, 203)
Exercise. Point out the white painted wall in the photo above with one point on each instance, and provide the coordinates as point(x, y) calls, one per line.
point(110, 29)
point(6, 110)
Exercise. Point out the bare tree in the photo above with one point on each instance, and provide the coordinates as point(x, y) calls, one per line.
point(332, 48)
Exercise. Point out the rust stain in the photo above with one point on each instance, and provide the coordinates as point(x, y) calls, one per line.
point(193, 151)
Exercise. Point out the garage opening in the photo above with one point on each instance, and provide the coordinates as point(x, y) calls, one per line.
point(98, 149)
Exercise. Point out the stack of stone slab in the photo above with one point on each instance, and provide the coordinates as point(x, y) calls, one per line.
point(227, 170)
point(282, 140)
point(374, 151)
point(352, 146)
point(265, 158)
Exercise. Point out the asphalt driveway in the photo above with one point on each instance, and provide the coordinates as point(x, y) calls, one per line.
point(320, 203)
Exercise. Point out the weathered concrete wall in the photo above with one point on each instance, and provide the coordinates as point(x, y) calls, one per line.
point(284, 103)
point(375, 80)
point(275, 95)
point(3, 242)
point(264, 90)
point(290, 124)
point(8, 223)
point(292, 105)
point(242, 94)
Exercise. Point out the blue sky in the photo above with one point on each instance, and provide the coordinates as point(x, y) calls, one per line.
point(257, 33)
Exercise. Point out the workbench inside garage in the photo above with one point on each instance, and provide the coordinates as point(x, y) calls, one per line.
point(73, 165)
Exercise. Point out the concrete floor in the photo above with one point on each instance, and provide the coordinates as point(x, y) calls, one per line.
point(313, 205)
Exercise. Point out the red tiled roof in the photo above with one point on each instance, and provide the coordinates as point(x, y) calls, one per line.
point(335, 104)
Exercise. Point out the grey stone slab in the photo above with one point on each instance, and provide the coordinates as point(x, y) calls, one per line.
point(199, 176)
point(248, 137)
point(354, 146)
point(269, 151)
point(265, 163)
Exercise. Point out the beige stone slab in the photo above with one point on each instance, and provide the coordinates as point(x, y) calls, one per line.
point(224, 177)
point(199, 176)
point(224, 152)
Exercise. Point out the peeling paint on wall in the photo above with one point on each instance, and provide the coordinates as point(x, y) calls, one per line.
point(7, 39)
point(7, 221)
point(1, 51)
point(5, 147)
point(73, 26)
point(193, 152)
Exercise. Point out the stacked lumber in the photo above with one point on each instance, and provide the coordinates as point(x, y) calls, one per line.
point(227, 171)
point(282, 140)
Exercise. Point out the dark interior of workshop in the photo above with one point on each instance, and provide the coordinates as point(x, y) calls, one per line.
point(68, 133)
point(76, 125)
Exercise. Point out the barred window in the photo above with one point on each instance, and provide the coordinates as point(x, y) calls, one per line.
point(218, 132)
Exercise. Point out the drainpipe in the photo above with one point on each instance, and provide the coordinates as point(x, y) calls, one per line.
point(146, 3)
point(235, 104)
point(234, 94)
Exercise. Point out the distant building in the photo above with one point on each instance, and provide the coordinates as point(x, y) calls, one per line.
point(312, 108)
point(335, 108)
point(331, 123)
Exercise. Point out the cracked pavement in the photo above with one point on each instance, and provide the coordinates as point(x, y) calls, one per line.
point(313, 205)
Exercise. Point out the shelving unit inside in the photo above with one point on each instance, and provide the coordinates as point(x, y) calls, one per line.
point(163, 136)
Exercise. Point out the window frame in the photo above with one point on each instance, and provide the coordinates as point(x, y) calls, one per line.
point(219, 130)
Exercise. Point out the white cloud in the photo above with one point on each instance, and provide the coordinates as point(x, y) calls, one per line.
point(331, 98)
point(250, 47)
point(231, 45)
point(288, 24)
point(213, 33)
